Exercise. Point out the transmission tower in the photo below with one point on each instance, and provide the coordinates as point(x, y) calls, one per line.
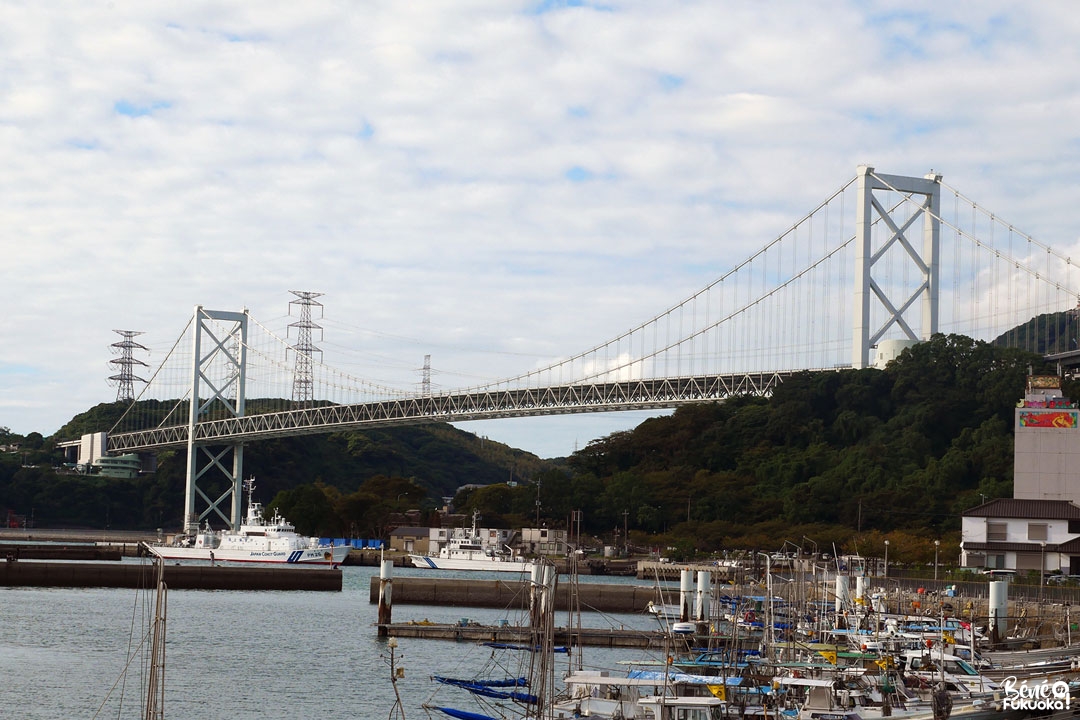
point(302, 389)
point(125, 379)
point(426, 378)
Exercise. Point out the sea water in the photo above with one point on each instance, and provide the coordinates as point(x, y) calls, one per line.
point(242, 654)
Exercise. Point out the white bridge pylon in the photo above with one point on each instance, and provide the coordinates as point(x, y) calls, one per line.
point(218, 374)
point(926, 262)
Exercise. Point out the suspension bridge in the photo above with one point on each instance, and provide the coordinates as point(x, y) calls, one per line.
point(882, 262)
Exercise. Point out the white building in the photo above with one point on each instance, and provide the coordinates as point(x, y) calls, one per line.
point(1040, 525)
point(1021, 535)
point(542, 541)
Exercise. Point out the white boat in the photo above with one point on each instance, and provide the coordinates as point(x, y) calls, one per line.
point(257, 541)
point(465, 550)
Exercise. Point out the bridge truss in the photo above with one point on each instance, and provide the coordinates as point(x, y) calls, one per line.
point(883, 257)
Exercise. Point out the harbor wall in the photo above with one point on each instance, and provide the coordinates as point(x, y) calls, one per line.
point(177, 577)
point(455, 592)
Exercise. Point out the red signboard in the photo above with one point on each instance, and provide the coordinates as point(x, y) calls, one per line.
point(1050, 419)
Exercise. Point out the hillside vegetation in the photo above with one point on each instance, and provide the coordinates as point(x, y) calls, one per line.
point(844, 457)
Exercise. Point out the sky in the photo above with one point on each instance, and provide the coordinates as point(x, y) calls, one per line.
point(496, 184)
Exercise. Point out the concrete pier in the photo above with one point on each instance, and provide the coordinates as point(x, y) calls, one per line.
point(590, 637)
point(454, 592)
point(177, 577)
point(53, 551)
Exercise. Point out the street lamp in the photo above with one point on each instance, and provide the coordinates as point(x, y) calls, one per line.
point(937, 545)
point(886, 558)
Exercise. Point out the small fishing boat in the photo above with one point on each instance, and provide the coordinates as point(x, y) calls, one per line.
point(259, 540)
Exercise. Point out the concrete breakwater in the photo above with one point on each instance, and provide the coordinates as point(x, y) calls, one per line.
point(455, 592)
point(177, 577)
point(591, 637)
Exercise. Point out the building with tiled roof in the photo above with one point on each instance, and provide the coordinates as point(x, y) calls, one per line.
point(1039, 527)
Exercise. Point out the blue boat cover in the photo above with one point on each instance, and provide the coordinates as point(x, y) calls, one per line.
point(481, 687)
point(463, 714)
point(508, 682)
point(531, 648)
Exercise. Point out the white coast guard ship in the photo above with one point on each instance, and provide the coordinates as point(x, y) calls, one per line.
point(465, 550)
point(258, 541)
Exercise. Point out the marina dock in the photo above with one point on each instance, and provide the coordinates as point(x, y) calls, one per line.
point(473, 633)
point(454, 592)
point(177, 577)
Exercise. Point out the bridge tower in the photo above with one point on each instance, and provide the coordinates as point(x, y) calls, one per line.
point(218, 373)
point(926, 262)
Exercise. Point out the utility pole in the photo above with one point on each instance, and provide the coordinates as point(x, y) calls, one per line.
point(625, 536)
point(303, 381)
point(125, 379)
point(538, 503)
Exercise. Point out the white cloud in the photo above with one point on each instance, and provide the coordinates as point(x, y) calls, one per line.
point(498, 184)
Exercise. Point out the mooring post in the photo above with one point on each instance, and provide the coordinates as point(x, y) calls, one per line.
point(704, 593)
point(686, 591)
point(386, 580)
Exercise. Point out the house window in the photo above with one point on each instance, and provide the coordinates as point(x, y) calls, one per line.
point(995, 562)
point(1074, 527)
point(1037, 531)
point(996, 532)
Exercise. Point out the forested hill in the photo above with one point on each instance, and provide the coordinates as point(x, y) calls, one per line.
point(398, 468)
point(830, 455)
point(908, 448)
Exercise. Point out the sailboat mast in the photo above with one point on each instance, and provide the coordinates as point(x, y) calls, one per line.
point(155, 687)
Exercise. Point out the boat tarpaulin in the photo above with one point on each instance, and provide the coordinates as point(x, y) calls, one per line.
point(463, 714)
point(531, 648)
point(506, 682)
point(480, 688)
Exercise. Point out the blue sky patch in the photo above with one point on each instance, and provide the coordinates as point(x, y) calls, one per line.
point(13, 369)
point(671, 82)
point(546, 6)
point(579, 174)
point(126, 107)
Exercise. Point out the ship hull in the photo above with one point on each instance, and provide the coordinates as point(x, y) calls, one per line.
point(428, 562)
point(310, 556)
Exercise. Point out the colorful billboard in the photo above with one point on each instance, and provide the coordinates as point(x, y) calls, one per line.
point(1058, 419)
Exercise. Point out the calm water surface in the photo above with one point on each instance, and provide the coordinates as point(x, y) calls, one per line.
point(240, 655)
